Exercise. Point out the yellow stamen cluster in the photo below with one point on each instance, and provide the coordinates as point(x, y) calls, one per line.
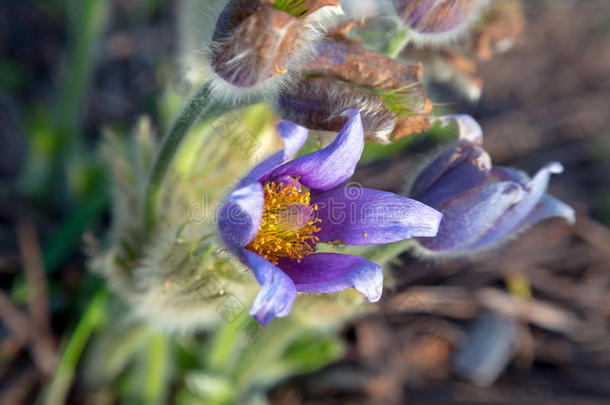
point(288, 225)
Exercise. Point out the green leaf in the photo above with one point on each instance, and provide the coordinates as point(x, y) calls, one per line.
point(57, 390)
point(157, 370)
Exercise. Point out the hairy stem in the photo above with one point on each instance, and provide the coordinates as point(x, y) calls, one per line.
point(202, 107)
point(197, 106)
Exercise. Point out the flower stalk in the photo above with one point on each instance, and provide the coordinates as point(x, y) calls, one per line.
point(201, 107)
point(185, 120)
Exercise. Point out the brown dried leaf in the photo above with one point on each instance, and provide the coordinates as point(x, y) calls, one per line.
point(343, 59)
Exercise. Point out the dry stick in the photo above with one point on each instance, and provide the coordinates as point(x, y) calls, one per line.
point(13, 318)
point(21, 389)
point(19, 325)
point(10, 348)
point(9, 264)
point(43, 344)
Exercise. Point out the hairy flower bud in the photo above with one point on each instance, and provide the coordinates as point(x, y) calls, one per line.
point(438, 21)
point(257, 45)
point(317, 103)
point(390, 96)
point(482, 204)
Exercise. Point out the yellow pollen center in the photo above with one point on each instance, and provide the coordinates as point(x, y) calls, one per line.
point(288, 225)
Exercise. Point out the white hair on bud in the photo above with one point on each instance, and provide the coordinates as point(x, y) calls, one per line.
point(369, 112)
point(377, 124)
point(183, 300)
point(324, 19)
point(362, 9)
point(197, 23)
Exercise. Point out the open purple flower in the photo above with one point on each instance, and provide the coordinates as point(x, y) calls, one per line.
point(277, 214)
point(482, 204)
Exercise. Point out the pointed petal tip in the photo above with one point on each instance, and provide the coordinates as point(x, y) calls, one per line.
point(433, 222)
point(264, 310)
point(260, 318)
point(468, 128)
point(331, 166)
point(245, 191)
point(277, 292)
point(369, 281)
point(363, 216)
point(334, 272)
point(569, 215)
point(549, 207)
point(436, 218)
point(285, 128)
point(350, 113)
point(264, 318)
point(354, 122)
point(293, 135)
point(554, 167)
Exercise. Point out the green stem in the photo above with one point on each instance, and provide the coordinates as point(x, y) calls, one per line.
point(198, 108)
point(265, 350)
point(93, 316)
point(155, 387)
point(193, 110)
point(384, 254)
point(397, 43)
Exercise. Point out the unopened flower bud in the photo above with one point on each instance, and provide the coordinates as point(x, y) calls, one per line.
point(390, 96)
point(438, 21)
point(318, 103)
point(257, 44)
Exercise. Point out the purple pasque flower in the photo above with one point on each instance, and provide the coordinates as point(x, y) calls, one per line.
point(482, 204)
point(276, 215)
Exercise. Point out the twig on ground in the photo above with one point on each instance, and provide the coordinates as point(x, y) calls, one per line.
point(44, 348)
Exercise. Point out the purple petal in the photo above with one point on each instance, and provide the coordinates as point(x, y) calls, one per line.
point(332, 272)
point(466, 163)
point(435, 170)
point(468, 128)
point(500, 173)
point(549, 207)
point(241, 214)
point(333, 165)
point(514, 218)
point(294, 136)
point(470, 169)
point(468, 217)
point(362, 216)
point(277, 289)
